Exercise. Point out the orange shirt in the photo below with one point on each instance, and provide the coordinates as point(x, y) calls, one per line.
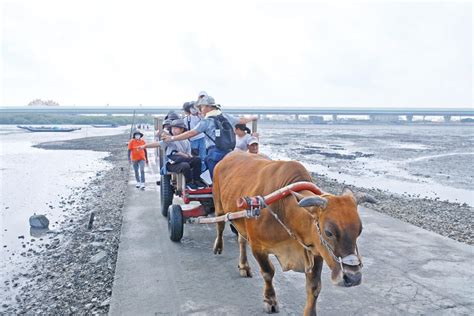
point(137, 154)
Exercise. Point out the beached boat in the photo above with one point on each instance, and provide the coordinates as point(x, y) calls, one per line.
point(48, 128)
point(104, 125)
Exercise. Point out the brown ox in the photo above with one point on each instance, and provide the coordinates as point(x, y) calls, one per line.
point(242, 174)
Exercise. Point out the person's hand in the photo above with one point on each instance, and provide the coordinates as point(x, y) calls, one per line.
point(254, 118)
point(141, 147)
point(255, 134)
point(146, 162)
point(166, 137)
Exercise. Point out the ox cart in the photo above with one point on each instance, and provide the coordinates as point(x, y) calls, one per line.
point(197, 204)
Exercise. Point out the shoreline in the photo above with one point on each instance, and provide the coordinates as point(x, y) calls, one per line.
point(74, 271)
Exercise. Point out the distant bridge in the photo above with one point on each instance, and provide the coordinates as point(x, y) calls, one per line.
point(447, 113)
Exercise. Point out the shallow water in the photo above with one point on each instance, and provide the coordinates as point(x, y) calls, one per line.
point(34, 180)
point(434, 161)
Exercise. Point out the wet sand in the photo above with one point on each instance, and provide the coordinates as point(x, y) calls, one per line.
point(74, 267)
point(422, 175)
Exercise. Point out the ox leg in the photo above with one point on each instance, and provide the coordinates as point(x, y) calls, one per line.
point(219, 243)
point(270, 304)
point(244, 267)
point(313, 287)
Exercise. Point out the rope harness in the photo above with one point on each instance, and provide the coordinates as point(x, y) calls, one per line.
point(254, 205)
point(353, 259)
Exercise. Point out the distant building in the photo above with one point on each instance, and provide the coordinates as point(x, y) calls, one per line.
point(39, 102)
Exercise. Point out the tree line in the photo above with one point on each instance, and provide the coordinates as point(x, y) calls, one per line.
point(29, 118)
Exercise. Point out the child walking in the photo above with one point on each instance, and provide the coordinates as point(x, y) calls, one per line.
point(138, 157)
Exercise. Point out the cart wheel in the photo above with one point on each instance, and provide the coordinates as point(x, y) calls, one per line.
point(166, 194)
point(175, 222)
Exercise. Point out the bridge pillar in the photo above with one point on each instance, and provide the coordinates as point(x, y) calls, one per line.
point(447, 118)
point(334, 117)
point(409, 118)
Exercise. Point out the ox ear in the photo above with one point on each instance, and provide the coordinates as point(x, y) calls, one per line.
point(359, 197)
point(310, 200)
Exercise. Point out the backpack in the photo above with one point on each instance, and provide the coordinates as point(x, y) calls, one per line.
point(225, 135)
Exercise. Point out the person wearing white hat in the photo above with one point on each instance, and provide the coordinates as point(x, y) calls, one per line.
point(253, 147)
point(202, 94)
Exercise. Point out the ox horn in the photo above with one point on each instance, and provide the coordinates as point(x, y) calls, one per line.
point(310, 200)
point(359, 196)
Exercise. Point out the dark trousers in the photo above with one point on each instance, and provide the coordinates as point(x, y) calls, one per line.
point(191, 168)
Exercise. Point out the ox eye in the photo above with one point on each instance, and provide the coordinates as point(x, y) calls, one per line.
point(328, 233)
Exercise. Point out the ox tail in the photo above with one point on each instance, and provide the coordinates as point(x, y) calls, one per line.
point(218, 208)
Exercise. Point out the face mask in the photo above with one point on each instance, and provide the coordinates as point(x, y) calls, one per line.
point(137, 136)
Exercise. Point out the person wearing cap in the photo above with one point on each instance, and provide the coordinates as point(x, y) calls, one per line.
point(172, 115)
point(207, 126)
point(179, 157)
point(201, 95)
point(166, 126)
point(253, 147)
point(198, 144)
point(137, 155)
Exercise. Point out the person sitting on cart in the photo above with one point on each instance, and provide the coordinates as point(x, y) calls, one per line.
point(179, 157)
point(166, 127)
point(215, 138)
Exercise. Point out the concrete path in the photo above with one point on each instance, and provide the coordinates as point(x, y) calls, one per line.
point(407, 271)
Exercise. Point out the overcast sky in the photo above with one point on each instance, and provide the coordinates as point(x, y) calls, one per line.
point(258, 53)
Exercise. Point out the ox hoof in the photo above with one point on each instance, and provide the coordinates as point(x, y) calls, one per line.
point(271, 308)
point(218, 246)
point(245, 272)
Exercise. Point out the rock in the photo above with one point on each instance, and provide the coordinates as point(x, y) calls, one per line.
point(88, 306)
point(105, 229)
point(21, 237)
point(99, 257)
point(39, 221)
point(105, 303)
point(38, 232)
